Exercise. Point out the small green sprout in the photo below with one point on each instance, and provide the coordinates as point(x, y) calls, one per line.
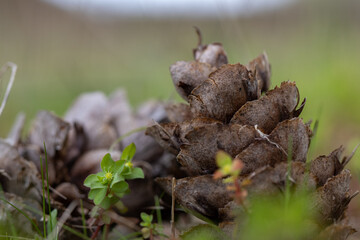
point(107, 186)
point(149, 229)
point(231, 170)
point(227, 167)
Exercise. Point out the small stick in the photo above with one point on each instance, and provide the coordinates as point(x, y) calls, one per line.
point(266, 137)
point(63, 219)
point(173, 209)
point(13, 68)
point(56, 192)
point(198, 32)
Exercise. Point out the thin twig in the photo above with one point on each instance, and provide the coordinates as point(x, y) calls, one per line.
point(265, 137)
point(173, 209)
point(56, 192)
point(198, 32)
point(13, 68)
point(63, 219)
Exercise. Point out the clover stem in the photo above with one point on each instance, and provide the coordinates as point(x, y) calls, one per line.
point(151, 234)
point(96, 232)
point(238, 194)
point(108, 190)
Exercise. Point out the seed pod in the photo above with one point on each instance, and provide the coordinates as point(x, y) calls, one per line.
point(75, 143)
point(91, 111)
point(178, 112)
point(297, 177)
point(296, 132)
point(224, 92)
point(325, 167)
point(261, 67)
point(333, 197)
point(259, 154)
point(277, 105)
point(336, 232)
point(261, 182)
point(171, 135)
point(271, 180)
point(201, 194)
point(18, 175)
point(197, 153)
point(273, 149)
point(188, 75)
point(51, 130)
point(213, 54)
point(34, 154)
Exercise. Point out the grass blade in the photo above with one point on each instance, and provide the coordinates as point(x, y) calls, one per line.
point(43, 197)
point(76, 233)
point(47, 184)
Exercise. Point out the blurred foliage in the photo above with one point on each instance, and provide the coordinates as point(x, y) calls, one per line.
point(62, 54)
point(204, 232)
point(268, 218)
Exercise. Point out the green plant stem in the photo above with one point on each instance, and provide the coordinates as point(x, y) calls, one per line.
point(83, 218)
point(105, 232)
point(117, 141)
point(288, 173)
point(43, 197)
point(158, 212)
point(94, 235)
point(47, 183)
point(15, 237)
point(69, 229)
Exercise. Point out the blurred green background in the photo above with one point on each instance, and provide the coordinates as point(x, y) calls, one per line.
point(61, 54)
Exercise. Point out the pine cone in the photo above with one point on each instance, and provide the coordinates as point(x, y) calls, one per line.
point(227, 112)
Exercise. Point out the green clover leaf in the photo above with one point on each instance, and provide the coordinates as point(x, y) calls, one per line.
point(107, 163)
point(135, 173)
point(120, 187)
point(101, 193)
point(223, 159)
point(128, 152)
point(90, 180)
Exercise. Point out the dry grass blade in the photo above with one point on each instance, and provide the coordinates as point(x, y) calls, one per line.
point(63, 219)
point(13, 68)
point(347, 159)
